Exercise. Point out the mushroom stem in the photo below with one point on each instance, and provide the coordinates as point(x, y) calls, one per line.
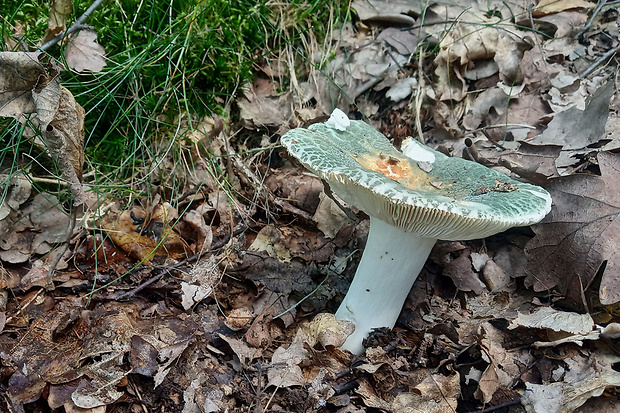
point(391, 262)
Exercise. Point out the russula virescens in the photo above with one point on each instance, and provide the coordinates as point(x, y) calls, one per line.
point(413, 199)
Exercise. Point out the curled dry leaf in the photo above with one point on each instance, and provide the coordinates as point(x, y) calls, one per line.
point(546, 7)
point(468, 43)
point(60, 11)
point(200, 283)
point(62, 129)
point(27, 87)
point(325, 329)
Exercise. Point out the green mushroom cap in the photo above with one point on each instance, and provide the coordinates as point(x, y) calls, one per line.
point(420, 190)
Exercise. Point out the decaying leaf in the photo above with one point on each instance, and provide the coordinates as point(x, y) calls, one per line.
point(143, 357)
point(285, 243)
point(323, 329)
point(579, 235)
point(145, 237)
point(505, 367)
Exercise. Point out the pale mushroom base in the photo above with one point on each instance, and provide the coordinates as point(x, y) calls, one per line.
point(391, 262)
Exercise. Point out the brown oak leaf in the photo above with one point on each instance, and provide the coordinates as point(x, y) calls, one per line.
point(580, 234)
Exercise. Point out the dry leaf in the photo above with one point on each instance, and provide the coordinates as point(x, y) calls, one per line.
point(84, 53)
point(19, 74)
point(329, 217)
point(60, 11)
point(260, 107)
point(577, 129)
point(146, 238)
point(546, 7)
point(27, 87)
point(462, 274)
point(579, 234)
point(62, 129)
point(286, 371)
point(549, 318)
point(244, 352)
point(40, 224)
point(200, 283)
point(534, 163)
point(325, 329)
point(143, 357)
point(586, 376)
point(436, 394)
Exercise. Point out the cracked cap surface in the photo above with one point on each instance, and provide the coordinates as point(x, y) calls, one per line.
point(426, 192)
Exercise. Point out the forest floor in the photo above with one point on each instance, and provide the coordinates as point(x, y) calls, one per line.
point(212, 289)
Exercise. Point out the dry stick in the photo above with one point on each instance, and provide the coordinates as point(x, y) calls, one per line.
point(419, 96)
point(515, 402)
point(21, 41)
point(598, 8)
point(599, 61)
point(77, 25)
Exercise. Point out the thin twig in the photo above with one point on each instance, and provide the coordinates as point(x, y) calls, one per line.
point(21, 41)
point(597, 9)
point(599, 61)
point(509, 403)
point(419, 96)
point(77, 25)
point(291, 308)
point(140, 287)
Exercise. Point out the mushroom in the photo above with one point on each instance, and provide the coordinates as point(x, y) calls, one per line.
point(413, 199)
